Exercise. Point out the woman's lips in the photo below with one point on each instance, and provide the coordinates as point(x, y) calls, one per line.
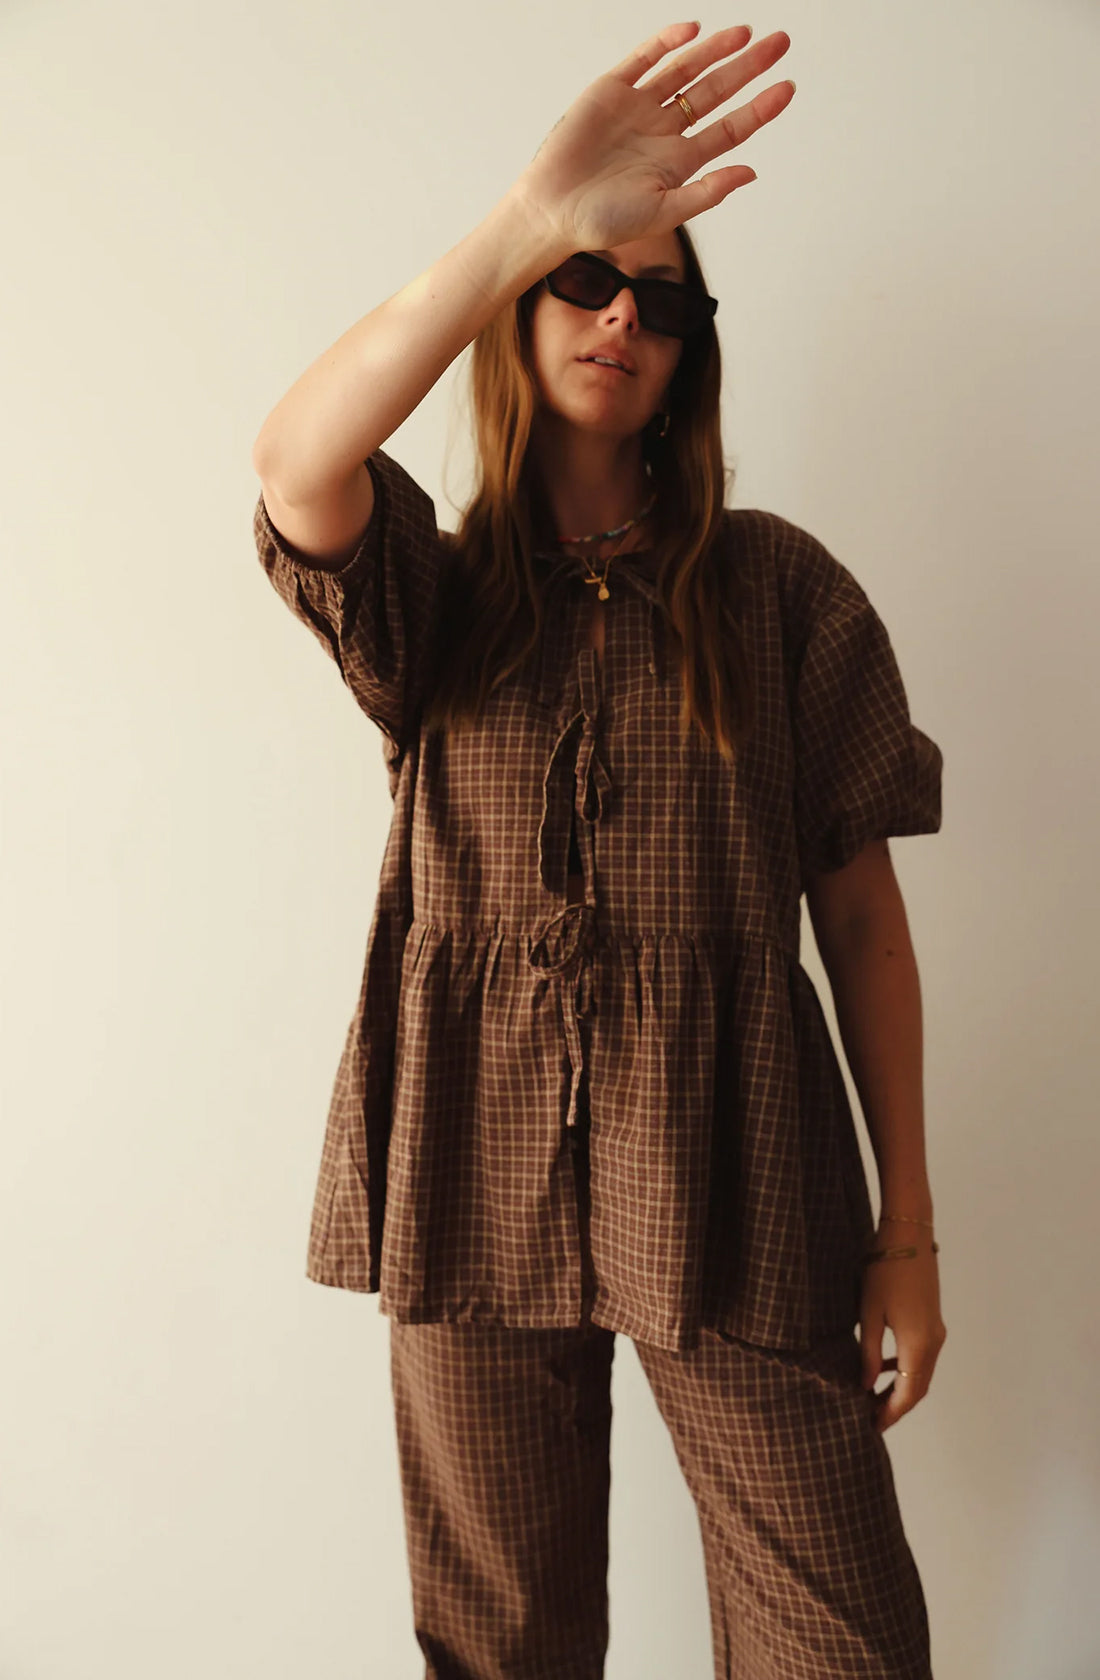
point(601, 367)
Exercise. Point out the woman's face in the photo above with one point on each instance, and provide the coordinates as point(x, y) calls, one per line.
point(595, 398)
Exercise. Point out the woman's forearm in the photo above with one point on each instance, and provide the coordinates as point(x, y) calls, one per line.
point(872, 971)
point(360, 390)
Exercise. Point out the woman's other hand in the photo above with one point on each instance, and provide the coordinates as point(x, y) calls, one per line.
point(904, 1296)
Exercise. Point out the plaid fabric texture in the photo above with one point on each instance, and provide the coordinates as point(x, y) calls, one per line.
point(504, 1447)
point(504, 1441)
point(727, 1187)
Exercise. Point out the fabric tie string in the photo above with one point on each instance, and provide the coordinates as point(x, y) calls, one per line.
point(571, 782)
point(574, 939)
point(562, 950)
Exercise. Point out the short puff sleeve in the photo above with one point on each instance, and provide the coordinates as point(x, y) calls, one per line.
point(863, 771)
point(377, 614)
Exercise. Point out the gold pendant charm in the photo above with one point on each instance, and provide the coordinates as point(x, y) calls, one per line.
point(603, 592)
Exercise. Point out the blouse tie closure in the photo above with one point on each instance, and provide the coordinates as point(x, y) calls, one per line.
point(574, 780)
point(577, 780)
point(564, 954)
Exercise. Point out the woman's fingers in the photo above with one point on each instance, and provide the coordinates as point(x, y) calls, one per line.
point(909, 1387)
point(644, 57)
point(683, 203)
point(721, 136)
point(687, 65)
point(733, 130)
point(706, 95)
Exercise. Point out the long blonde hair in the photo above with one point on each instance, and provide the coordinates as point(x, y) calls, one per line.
point(492, 617)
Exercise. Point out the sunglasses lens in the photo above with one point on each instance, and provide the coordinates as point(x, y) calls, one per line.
point(671, 312)
point(660, 309)
point(583, 283)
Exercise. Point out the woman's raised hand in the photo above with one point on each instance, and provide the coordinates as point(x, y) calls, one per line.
point(613, 167)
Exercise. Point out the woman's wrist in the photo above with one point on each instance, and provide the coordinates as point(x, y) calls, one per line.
point(902, 1229)
point(908, 1199)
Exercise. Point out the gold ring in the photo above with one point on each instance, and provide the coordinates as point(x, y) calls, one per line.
point(687, 110)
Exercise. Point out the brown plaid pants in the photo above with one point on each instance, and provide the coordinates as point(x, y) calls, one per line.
point(504, 1444)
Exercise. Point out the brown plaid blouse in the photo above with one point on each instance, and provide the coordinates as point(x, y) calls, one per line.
point(726, 1182)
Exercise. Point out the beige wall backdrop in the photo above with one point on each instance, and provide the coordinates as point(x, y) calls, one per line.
point(199, 1463)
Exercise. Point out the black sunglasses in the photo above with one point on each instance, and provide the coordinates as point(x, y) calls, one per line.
point(664, 306)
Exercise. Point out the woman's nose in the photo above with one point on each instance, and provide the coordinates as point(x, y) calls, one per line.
point(623, 303)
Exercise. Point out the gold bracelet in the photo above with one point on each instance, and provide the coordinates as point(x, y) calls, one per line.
point(901, 1219)
point(909, 1252)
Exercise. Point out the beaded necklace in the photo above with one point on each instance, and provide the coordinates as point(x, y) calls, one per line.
point(603, 536)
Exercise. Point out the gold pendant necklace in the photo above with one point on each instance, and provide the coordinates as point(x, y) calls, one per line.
point(622, 533)
point(602, 590)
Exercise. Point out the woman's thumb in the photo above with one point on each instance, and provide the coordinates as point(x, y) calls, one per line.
point(697, 196)
point(870, 1341)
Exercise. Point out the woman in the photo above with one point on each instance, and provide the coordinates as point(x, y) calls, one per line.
point(588, 1087)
